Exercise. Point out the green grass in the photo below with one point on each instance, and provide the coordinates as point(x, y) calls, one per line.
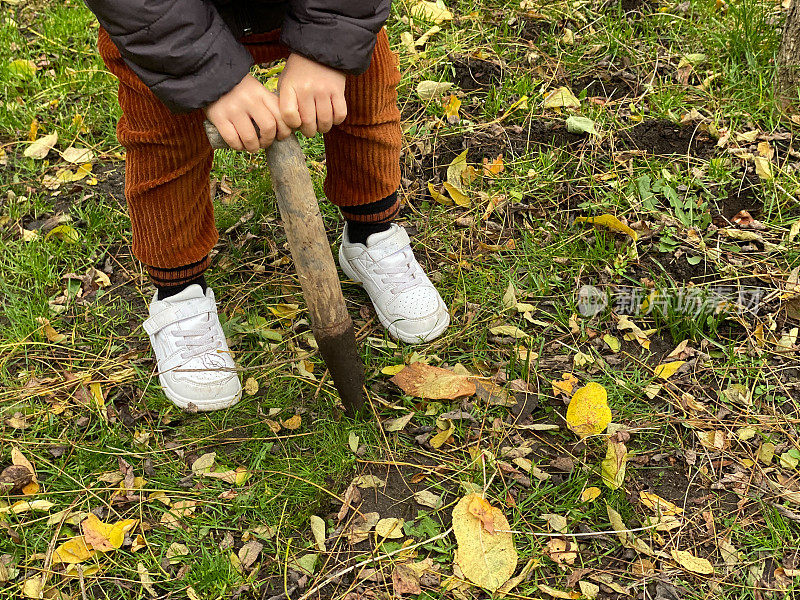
point(73, 441)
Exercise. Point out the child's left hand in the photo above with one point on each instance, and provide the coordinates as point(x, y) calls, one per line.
point(311, 96)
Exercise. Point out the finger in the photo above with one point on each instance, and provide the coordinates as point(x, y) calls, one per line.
point(290, 112)
point(339, 109)
point(324, 114)
point(247, 133)
point(308, 116)
point(228, 133)
point(266, 126)
point(282, 130)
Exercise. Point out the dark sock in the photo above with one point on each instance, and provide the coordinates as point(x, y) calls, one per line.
point(359, 226)
point(357, 233)
point(171, 290)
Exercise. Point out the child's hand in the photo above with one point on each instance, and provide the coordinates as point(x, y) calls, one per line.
point(249, 102)
point(311, 96)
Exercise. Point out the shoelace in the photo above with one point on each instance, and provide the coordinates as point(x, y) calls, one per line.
point(403, 273)
point(199, 340)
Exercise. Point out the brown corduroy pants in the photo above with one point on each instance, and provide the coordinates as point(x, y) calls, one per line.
point(168, 159)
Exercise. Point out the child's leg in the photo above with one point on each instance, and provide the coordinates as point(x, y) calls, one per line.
point(166, 186)
point(363, 159)
point(168, 163)
point(363, 153)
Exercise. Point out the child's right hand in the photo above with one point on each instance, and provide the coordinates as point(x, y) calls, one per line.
point(249, 102)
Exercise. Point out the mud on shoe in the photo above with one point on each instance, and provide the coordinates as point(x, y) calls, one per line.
point(405, 300)
point(194, 362)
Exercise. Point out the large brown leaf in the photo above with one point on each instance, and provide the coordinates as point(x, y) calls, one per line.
point(433, 383)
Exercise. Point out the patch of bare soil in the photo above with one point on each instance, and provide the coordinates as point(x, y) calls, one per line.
point(472, 74)
point(744, 196)
point(662, 137)
point(110, 184)
point(672, 481)
point(111, 181)
point(677, 268)
point(532, 29)
point(428, 162)
point(612, 85)
point(394, 498)
point(633, 5)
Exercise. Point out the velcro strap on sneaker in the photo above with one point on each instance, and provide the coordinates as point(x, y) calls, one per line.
point(173, 315)
point(171, 363)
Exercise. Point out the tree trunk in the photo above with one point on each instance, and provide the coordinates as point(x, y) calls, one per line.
point(788, 81)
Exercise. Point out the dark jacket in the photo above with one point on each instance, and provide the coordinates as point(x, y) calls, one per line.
point(187, 53)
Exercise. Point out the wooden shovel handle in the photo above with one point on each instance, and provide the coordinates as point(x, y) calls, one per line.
point(316, 269)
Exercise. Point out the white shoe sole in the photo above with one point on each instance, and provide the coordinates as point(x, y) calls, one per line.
point(202, 406)
point(390, 325)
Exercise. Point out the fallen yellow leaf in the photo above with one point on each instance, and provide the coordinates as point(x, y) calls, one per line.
point(667, 370)
point(390, 528)
point(482, 510)
point(98, 398)
point(74, 550)
point(692, 563)
point(285, 311)
point(451, 109)
point(588, 412)
point(494, 167)
point(18, 459)
point(292, 423)
point(77, 156)
point(23, 506)
point(32, 587)
point(182, 508)
point(509, 330)
point(438, 196)
point(457, 195)
point(146, 580)
point(440, 438)
point(561, 551)
point(611, 222)
point(432, 12)
point(65, 233)
point(251, 386)
point(427, 90)
point(457, 170)
point(561, 98)
point(105, 536)
point(763, 167)
point(41, 147)
point(626, 537)
point(565, 385)
point(612, 342)
point(486, 559)
point(392, 370)
point(612, 468)
point(50, 332)
point(590, 494)
point(636, 333)
point(659, 505)
point(715, 440)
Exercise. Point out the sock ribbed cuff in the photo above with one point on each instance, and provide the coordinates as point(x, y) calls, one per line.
point(172, 277)
point(382, 211)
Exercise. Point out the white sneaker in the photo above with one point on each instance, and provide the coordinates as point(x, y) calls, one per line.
point(194, 362)
point(406, 302)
